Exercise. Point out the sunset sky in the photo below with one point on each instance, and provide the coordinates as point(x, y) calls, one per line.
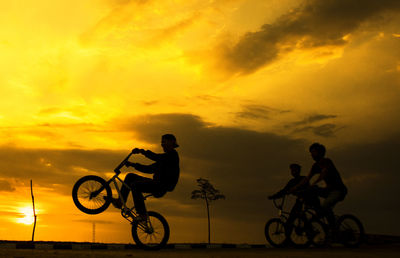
point(245, 85)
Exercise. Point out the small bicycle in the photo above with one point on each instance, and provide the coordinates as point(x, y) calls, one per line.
point(300, 231)
point(92, 195)
point(274, 229)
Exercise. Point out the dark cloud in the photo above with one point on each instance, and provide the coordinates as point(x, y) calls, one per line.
point(258, 112)
point(243, 164)
point(6, 186)
point(212, 143)
point(57, 169)
point(325, 130)
point(310, 124)
point(313, 24)
point(311, 119)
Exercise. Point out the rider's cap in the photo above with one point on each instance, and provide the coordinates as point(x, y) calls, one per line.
point(171, 137)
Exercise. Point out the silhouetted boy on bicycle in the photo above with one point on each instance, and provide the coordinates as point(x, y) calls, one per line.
point(301, 193)
point(335, 190)
point(165, 172)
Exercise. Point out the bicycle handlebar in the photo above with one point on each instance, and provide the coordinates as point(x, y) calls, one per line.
point(279, 206)
point(116, 170)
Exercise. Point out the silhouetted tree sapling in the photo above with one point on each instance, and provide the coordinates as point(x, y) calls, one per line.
point(209, 194)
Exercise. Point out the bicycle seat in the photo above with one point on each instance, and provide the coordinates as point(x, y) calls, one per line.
point(155, 194)
point(147, 195)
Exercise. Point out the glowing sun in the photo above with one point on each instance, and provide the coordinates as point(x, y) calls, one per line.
point(25, 215)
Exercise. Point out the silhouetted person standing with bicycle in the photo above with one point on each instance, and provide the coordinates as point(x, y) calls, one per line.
point(165, 172)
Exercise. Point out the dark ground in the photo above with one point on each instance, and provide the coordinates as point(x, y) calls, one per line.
point(387, 250)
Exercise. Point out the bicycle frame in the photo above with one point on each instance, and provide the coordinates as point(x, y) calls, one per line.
point(126, 212)
point(282, 214)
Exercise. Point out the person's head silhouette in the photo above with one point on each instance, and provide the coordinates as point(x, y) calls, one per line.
point(168, 142)
point(295, 169)
point(317, 151)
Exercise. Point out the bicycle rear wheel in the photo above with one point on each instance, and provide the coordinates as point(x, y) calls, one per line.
point(91, 194)
point(275, 232)
point(152, 234)
point(350, 230)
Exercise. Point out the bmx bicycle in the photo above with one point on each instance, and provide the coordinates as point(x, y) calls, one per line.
point(92, 195)
point(298, 231)
point(347, 230)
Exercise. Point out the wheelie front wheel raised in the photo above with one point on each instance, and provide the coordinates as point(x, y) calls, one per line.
point(152, 234)
point(91, 194)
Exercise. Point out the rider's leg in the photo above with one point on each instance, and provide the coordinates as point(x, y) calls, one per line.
point(296, 209)
point(329, 203)
point(141, 185)
point(138, 200)
point(129, 180)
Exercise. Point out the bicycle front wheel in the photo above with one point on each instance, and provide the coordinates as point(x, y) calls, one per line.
point(152, 234)
point(318, 233)
point(350, 230)
point(91, 194)
point(275, 232)
point(299, 232)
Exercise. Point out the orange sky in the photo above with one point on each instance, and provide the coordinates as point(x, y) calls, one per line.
point(246, 86)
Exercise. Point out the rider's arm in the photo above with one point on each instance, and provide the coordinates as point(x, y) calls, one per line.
point(284, 191)
point(151, 155)
point(321, 177)
point(304, 181)
point(147, 153)
point(149, 169)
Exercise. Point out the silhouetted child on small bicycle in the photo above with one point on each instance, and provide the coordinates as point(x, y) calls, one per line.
point(302, 193)
point(165, 172)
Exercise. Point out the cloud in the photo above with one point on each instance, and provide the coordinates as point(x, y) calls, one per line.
point(313, 24)
point(257, 112)
point(142, 23)
point(241, 163)
point(325, 130)
point(311, 119)
point(6, 186)
point(173, 30)
point(207, 141)
point(311, 124)
point(55, 169)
